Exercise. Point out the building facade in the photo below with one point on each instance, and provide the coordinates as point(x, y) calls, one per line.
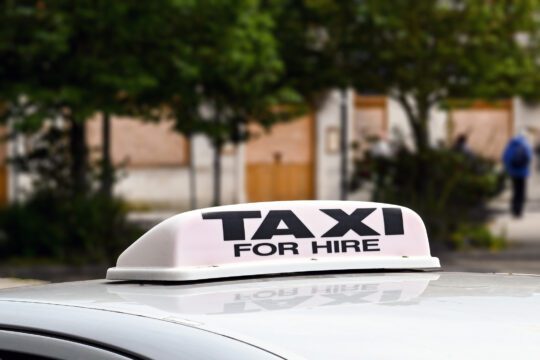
point(299, 159)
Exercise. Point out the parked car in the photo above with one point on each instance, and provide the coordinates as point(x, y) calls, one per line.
point(284, 280)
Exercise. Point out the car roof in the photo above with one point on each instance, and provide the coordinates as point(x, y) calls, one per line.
point(345, 315)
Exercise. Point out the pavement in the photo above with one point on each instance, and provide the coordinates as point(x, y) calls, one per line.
point(522, 254)
point(14, 282)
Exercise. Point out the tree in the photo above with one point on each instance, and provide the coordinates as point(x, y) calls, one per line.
point(97, 64)
point(424, 53)
point(224, 74)
point(316, 43)
point(23, 39)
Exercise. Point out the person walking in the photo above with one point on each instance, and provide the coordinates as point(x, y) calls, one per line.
point(517, 158)
point(461, 146)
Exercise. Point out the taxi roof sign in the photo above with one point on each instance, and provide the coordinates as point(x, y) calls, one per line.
point(277, 237)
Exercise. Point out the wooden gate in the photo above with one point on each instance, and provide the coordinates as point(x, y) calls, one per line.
point(273, 182)
point(280, 162)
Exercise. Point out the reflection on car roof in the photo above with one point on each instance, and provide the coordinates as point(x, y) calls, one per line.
point(311, 315)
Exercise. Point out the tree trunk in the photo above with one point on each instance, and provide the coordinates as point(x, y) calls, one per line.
point(79, 156)
point(217, 173)
point(420, 135)
point(420, 127)
point(418, 118)
point(106, 162)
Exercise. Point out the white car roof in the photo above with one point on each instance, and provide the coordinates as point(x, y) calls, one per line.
point(406, 315)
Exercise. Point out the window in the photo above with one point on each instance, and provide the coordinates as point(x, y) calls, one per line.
point(15, 345)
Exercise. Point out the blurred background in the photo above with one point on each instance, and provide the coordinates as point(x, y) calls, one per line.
point(118, 114)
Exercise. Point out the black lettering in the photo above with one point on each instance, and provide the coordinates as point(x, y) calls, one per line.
point(336, 246)
point(288, 246)
point(393, 221)
point(257, 249)
point(270, 224)
point(370, 245)
point(233, 222)
point(349, 222)
point(347, 244)
point(315, 247)
point(238, 248)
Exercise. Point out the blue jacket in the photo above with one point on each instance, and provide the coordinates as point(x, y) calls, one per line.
point(514, 145)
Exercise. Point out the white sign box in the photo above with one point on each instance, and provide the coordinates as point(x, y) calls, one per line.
point(277, 237)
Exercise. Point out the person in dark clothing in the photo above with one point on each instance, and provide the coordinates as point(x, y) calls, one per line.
point(518, 195)
point(537, 151)
point(460, 146)
point(517, 158)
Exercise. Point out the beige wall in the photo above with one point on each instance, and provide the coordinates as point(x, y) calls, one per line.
point(139, 144)
point(488, 127)
point(370, 121)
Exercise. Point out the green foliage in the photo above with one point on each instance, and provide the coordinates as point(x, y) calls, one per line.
point(440, 49)
point(476, 236)
point(71, 61)
point(56, 222)
point(81, 229)
point(424, 53)
point(316, 44)
point(225, 71)
point(447, 189)
point(49, 162)
point(23, 38)
point(88, 57)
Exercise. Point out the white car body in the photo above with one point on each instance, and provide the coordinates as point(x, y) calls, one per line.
point(217, 284)
point(405, 315)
